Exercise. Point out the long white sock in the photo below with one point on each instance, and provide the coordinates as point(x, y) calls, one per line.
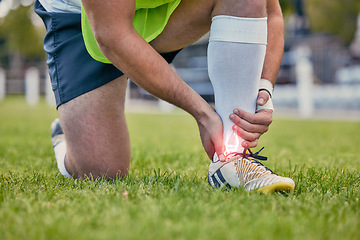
point(60, 153)
point(236, 55)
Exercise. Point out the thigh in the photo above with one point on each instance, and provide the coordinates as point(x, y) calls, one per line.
point(189, 22)
point(72, 70)
point(96, 132)
point(192, 19)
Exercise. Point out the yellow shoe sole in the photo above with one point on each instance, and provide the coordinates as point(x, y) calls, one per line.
point(276, 187)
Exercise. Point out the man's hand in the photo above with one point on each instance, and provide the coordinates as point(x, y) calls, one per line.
point(250, 126)
point(211, 131)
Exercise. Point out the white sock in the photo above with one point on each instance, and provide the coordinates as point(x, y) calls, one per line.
point(236, 55)
point(60, 153)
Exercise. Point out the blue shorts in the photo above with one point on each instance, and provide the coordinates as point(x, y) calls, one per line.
point(72, 70)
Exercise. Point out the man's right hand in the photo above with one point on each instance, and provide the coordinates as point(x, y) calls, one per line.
point(211, 131)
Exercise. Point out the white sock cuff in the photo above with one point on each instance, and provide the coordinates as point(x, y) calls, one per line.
point(63, 170)
point(60, 153)
point(239, 29)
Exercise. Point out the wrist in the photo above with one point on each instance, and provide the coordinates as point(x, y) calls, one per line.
point(205, 114)
point(266, 85)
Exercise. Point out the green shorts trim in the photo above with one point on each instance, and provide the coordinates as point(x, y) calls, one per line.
point(150, 20)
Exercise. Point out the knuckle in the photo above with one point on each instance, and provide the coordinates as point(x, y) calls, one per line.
point(258, 136)
point(251, 119)
point(247, 127)
point(251, 137)
point(266, 129)
point(237, 120)
point(269, 120)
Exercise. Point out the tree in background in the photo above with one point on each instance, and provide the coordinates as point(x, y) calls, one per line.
point(333, 16)
point(330, 16)
point(287, 7)
point(21, 34)
point(20, 39)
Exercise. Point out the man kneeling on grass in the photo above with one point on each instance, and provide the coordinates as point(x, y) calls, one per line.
point(94, 46)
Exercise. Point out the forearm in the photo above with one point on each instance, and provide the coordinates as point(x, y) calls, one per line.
point(119, 42)
point(139, 61)
point(275, 45)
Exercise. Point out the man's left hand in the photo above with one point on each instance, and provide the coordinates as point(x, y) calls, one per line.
point(251, 126)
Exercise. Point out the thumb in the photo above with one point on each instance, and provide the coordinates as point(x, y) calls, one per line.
point(263, 97)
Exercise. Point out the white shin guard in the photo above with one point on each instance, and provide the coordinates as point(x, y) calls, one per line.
point(236, 55)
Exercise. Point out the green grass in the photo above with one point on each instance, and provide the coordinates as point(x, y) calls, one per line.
point(168, 197)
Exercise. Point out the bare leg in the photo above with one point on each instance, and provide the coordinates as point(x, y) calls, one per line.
point(96, 132)
point(192, 19)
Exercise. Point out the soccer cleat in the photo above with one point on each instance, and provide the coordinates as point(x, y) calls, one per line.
point(245, 170)
point(57, 134)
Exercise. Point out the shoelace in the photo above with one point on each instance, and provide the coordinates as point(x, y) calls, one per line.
point(244, 154)
point(253, 157)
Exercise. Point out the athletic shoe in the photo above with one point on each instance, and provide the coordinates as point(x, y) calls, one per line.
point(58, 141)
point(57, 134)
point(245, 170)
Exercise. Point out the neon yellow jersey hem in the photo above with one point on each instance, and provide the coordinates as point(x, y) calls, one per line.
point(150, 19)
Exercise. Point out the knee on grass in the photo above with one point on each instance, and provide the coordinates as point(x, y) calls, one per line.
point(99, 168)
point(105, 173)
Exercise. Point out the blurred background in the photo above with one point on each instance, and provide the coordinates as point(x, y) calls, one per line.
point(319, 74)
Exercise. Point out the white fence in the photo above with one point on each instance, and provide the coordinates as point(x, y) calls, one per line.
point(305, 97)
point(31, 84)
point(2, 84)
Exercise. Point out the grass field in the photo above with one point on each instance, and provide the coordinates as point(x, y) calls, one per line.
point(168, 197)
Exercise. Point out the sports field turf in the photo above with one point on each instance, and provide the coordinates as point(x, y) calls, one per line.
point(168, 197)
